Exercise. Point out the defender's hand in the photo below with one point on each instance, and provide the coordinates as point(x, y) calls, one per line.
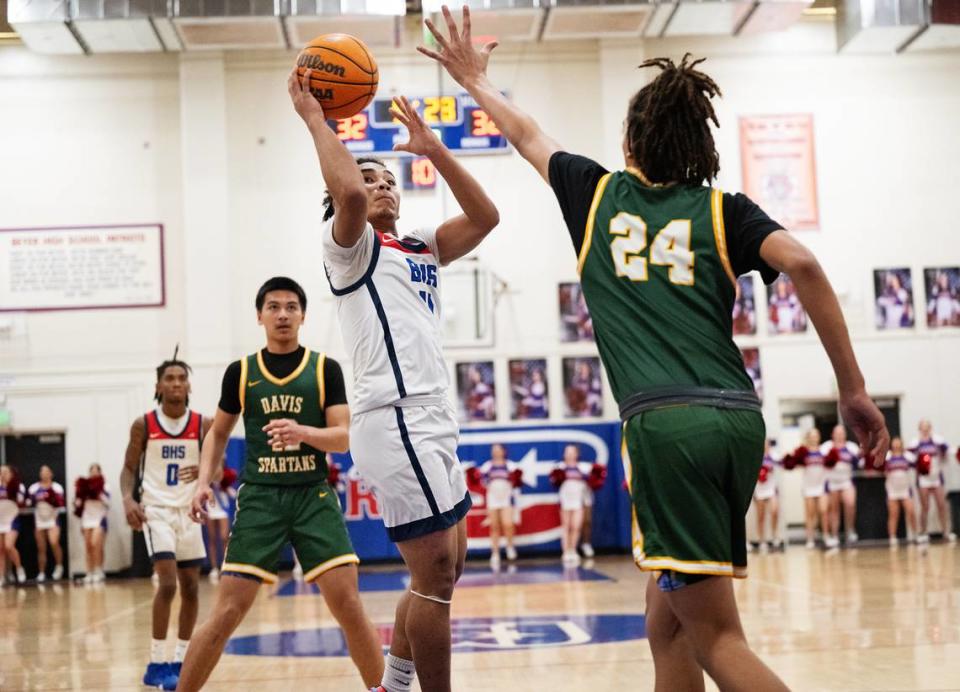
point(862, 415)
point(134, 513)
point(304, 102)
point(457, 54)
point(422, 139)
point(198, 506)
point(285, 432)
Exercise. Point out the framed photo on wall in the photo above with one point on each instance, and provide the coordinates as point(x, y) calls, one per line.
point(751, 362)
point(893, 298)
point(575, 322)
point(582, 387)
point(476, 391)
point(943, 296)
point(745, 307)
point(785, 313)
point(529, 395)
point(779, 168)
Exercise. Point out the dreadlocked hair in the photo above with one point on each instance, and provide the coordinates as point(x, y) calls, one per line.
point(668, 124)
point(328, 199)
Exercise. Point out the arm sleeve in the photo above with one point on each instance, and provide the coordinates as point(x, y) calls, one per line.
point(574, 180)
point(230, 389)
point(345, 264)
point(336, 390)
point(747, 226)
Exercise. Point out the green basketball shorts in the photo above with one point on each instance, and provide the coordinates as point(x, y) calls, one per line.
point(692, 471)
point(268, 516)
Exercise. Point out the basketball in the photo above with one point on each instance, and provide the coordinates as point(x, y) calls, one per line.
point(345, 75)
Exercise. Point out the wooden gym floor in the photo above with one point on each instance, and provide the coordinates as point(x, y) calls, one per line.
point(866, 619)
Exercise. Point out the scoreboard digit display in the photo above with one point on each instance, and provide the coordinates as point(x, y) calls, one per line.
point(459, 122)
point(418, 173)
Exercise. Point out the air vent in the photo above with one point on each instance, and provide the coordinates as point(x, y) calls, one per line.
point(603, 21)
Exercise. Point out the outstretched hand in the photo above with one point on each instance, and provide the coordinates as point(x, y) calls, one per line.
point(422, 141)
point(457, 53)
point(304, 102)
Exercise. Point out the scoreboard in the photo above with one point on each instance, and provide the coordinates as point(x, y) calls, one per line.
point(458, 121)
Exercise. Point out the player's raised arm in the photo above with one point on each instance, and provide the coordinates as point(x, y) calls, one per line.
point(785, 254)
point(211, 455)
point(128, 474)
point(457, 236)
point(340, 173)
point(468, 66)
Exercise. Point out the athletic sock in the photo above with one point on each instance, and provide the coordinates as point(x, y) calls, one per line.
point(398, 674)
point(181, 651)
point(158, 650)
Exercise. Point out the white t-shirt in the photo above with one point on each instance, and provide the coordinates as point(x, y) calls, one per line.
point(387, 293)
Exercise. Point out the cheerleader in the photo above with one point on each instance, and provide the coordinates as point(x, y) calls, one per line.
point(899, 489)
point(815, 502)
point(931, 450)
point(766, 501)
point(46, 496)
point(12, 499)
point(91, 504)
point(218, 518)
point(841, 457)
point(500, 479)
point(572, 483)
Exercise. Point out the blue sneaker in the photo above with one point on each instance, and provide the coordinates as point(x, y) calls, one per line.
point(156, 674)
point(173, 675)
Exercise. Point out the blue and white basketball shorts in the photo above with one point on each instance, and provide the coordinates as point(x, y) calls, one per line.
point(408, 456)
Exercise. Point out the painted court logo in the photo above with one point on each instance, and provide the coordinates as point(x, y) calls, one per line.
point(470, 635)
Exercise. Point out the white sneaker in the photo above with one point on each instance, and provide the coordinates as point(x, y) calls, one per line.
point(923, 538)
point(511, 553)
point(41, 577)
point(811, 545)
point(57, 573)
point(587, 550)
point(852, 537)
point(894, 542)
point(571, 558)
point(952, 537)
point(214, 575)
point(89, 578)
point(777, 545)
point(763, 548)
point(99, 576)
point(831, 542)
point(495, 561)
point(21, 575)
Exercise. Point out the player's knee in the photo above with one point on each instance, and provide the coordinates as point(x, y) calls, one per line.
point(167, 589)
point(189, 590)
point(440, 576)
point(229, 614)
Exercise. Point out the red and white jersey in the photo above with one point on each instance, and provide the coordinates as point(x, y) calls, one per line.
point(172, 445)
point(46, 499)
point(494, 472)
point(848, 459)
point(935, 446)
point(387, 293)
point(11, 500)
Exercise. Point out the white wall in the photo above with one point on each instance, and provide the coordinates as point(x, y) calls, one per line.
point(106, 140)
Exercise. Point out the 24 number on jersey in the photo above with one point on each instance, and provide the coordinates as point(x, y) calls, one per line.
point(670, 248)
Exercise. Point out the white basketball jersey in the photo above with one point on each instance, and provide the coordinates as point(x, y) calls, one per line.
point(388, 302)
point(166, 454)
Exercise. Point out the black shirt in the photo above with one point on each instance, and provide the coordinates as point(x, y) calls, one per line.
point(574, 180)
point(280, 365)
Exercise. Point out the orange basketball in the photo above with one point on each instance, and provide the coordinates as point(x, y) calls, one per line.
point(345, 75)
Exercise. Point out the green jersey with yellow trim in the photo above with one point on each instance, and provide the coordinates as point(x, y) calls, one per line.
point(660, 289)
point(263, 398)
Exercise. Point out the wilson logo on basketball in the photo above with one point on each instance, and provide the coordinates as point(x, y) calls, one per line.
point(315, 62)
